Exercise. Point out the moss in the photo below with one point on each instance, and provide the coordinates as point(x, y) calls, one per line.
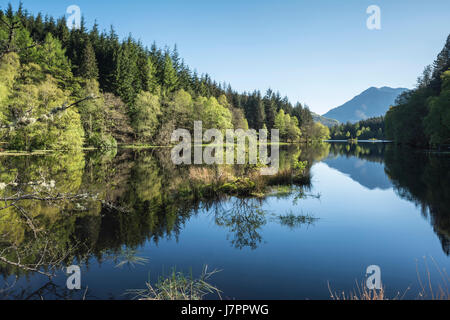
point(242, 186)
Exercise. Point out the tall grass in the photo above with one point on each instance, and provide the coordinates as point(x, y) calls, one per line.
point(178, 286)
point(427, 291)
point(360, 293)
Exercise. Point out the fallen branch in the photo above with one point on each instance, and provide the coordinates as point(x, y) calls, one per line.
point(24, 267)
point(26, 120)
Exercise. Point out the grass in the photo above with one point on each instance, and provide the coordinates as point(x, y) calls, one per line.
point(427, 291)
point(178, 286)
point(360, 293)
point(129, 257)
point(292, 220)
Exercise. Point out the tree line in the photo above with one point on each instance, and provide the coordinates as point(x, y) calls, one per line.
point(372, 128)
point(421, 116)
point(139, 94)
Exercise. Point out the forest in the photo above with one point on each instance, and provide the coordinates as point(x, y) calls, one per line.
point(372, 128)
point(421, 117)
point(66, 88)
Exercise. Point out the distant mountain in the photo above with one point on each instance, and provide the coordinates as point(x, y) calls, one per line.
point(373, 102)
point(325, 121)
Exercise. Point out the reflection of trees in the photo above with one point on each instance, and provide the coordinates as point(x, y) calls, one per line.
point(244, 220)
point(39, 196)
point(425, 180)
point(135, 202)
point(49, 290)
point(151, 212)
point(373, 152)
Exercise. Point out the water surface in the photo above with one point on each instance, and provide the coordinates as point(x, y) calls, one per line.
point(372, 204)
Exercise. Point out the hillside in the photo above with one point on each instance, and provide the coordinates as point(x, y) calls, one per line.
point(373, 102)
point(325, 121)
point(107, 91)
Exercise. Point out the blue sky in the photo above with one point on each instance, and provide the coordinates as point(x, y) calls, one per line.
point(317, 52)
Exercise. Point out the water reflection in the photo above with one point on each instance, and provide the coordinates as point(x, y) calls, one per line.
point(423, 179)
point(141, 198)
point(364, 163)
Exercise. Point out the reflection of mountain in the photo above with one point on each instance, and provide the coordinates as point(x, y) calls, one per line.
point(363, 162)
point(369, 174)
point(416, 176)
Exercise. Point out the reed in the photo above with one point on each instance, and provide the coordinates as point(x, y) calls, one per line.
point(178, 286)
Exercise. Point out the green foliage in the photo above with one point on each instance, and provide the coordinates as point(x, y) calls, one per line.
point(421, 116)
point(321, 132)
point(288, 126)
point(213, 114)
point(372, 128)
point(53, 61)
point(169, 79)
point(437, 122)
point(149, 92)
point(145, 115)
point(102, 141)
point(88, 67)
point(126, 74)
point(9, 67)
point(150, 77)
point(30, 101)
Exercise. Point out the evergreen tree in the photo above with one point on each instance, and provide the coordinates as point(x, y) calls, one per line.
point(169, 76)
point(441, 64)
point(270, 112)
point(126, 73)
point(88, 67)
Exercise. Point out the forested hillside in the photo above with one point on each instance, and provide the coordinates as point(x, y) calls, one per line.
point(64, 88)
point(421, 116)
point(372, 128)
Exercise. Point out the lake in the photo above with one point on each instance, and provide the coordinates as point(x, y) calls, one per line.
point(366, 204)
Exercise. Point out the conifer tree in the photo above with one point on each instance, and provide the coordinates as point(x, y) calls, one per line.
point(88, 67)
point(126, 73)
point(169, 76)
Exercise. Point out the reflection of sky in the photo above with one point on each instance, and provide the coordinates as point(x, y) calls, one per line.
point(369, 174)
point(357, 227)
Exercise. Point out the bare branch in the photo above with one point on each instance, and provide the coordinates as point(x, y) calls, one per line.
point(25, 121)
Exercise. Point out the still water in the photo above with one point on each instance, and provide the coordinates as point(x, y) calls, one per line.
point(371, 203)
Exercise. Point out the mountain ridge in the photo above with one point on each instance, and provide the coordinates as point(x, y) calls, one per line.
point(373, 102)
point(323, 120)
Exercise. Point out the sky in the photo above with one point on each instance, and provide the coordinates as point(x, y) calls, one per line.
point(318, 52)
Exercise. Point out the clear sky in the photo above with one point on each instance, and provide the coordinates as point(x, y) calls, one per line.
point(318, 52)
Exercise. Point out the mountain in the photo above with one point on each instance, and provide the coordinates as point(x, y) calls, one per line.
point(325, 121)
point(373, 102)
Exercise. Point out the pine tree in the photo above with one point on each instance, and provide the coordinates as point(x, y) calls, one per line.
point(441, 64)
point(152, 80)
point(126, 73)
point(169, 76)
point(270, 109)
point(88, 67)
point(53, 60)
